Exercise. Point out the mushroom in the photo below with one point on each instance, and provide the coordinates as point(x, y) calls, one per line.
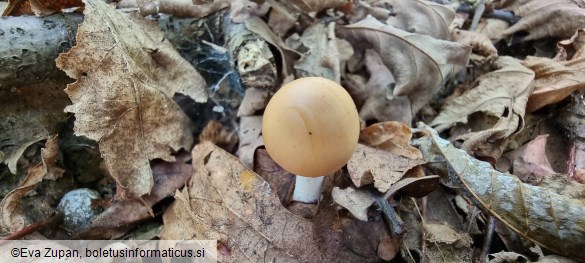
point(310, 128)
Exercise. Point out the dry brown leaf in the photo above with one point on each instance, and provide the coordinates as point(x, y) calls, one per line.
point(553, 82)
point(122, 214)
point(181, 8)
point(11, 216)
point(442, 233)
point(573, 48)
point(127, 74)
point(418, 62)
point(544, 18)
point(219, 135)
point(379, 102)
point(369, 165)
point(287, 55)
point(479, 43)
point(503, 94)
point(318, 5)
point(414, 16)
point(250, 134)
point(28, 115)
point(422, 17)
point(227, 202)
point(281, 181)
point(281, 18)
point(323, 58)
point(255, 100)
point(390, 136)
point(240, 10)
point(530, 163)
point(492, 28)
point(357, 202)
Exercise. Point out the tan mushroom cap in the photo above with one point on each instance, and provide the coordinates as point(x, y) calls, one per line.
point(311, 127)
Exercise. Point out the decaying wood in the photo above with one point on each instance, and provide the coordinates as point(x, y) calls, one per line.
point(31, 45)
point(251, 55)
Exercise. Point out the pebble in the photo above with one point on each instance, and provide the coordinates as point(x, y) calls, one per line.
point(77, 209)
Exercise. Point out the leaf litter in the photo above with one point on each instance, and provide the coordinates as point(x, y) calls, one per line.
point(488, 89)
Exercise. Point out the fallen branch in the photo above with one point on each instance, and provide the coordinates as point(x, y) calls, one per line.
point(31, 45)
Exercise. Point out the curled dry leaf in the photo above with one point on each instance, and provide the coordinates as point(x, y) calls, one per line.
point(287, 55)
point(379, 103)
point(418, 62)
point(255, 100)
point(28, 115)
point(553, 82)
point(354, 200)
point(573, 48)
point(225, 201)
point(323, 58)
point(544, 18)
point(552, 221)
point(11, 216)
point(126, 77)
point(369, 165)
point(479, 43)
point(390, 136)
point(123, 213)
point(281, 18)
point(503, 94)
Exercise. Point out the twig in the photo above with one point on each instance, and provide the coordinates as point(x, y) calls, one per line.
point(394, 221)
point(36, 226)
point(477, 15)
point(487, 239)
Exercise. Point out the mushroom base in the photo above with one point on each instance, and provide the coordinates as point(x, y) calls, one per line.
point(307, 189)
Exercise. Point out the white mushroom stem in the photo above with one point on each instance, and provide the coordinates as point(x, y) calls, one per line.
point(307, 189)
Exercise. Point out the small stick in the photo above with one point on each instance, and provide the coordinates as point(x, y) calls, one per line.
point(477, 15)
point(394, 222)
point(36, 226)
point(487, 239)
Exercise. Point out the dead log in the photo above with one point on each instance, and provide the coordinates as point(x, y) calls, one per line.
point(29, 46)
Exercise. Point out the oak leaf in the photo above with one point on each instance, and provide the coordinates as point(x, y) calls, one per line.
point(225, 201)
point(127, 74)
point(418, 62)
